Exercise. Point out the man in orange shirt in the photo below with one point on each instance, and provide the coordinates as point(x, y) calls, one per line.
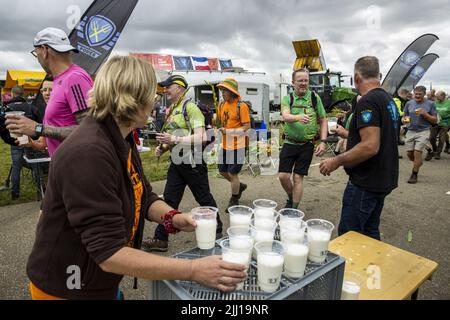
point(234, 116)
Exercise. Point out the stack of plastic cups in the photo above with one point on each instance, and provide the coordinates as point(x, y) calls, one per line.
point(292, 234)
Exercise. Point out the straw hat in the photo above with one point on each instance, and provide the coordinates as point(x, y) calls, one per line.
point(231, 85)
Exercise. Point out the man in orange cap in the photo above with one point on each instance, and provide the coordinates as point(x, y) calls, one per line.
point(234, 116)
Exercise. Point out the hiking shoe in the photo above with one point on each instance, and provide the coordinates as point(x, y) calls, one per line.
point(155, 245)
point(289, 204)
point(437, 156)
point(234, 201)
point(429, 156)
point(413, 179)
point(242, 188)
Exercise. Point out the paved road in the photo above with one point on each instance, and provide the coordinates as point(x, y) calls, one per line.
point(422, 208)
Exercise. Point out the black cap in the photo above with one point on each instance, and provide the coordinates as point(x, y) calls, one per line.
point(180, 80)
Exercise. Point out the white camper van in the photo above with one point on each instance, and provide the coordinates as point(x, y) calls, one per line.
point(253, 86)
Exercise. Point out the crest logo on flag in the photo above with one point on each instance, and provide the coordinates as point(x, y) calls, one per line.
point(366, 116)
point(99, 30)
point(418, 73)
point(410, 58)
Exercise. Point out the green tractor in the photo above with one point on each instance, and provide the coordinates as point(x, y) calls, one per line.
point(327, 84)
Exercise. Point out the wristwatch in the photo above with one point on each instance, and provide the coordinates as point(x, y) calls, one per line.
point(39, 129)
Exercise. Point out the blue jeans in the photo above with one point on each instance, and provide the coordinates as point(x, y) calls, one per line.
point(361, 211)
point(17, 164)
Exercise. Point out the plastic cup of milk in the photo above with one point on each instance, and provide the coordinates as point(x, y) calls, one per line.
point(233, 255)
point(265, 231)
point(265, 208)
point(332, 124)
point(295, 259)
point(23, 140)
point(240, 216)
point(242, 237)
point(265, 224)
point(319, 235)
point(292, 232)
point(351, 288)
point(270, 264)
point(205, 233)
point(291, 214)
point(17, 114)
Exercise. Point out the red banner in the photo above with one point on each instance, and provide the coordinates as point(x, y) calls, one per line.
point(213, 63)
point(158, 61)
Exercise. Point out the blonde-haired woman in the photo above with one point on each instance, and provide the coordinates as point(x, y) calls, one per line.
point(97, 199)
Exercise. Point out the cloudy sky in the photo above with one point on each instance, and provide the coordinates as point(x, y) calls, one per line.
point(256, 34)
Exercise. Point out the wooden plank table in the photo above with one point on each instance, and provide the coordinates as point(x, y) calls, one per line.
point(392, 273)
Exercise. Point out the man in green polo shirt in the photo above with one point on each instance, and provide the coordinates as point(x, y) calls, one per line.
point(440, 133)
point(305, 123)
point(184, 128)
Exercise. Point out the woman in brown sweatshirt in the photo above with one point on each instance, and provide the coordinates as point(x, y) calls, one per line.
point(98, 198)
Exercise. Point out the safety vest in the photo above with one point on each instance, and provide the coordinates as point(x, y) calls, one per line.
point(398, 102)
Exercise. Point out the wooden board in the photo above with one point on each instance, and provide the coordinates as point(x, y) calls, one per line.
point(392, 273)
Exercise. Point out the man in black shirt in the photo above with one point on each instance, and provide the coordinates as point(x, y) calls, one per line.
point(18, 103)
point(371, 160)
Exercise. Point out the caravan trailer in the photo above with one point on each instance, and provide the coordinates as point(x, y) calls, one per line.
point(253, 86)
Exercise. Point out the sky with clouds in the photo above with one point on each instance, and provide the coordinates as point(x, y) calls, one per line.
point(256, 34)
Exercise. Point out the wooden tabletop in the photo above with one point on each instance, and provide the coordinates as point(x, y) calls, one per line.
point(392, 273)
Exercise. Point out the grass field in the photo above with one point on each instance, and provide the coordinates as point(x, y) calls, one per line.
point(28, 192)
point(153, 169)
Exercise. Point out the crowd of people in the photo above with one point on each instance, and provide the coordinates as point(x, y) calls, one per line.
point(98, 198)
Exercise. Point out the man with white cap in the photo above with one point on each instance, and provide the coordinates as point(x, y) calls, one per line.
point(68, 103)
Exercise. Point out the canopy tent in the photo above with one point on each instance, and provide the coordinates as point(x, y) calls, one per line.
point(30, 80)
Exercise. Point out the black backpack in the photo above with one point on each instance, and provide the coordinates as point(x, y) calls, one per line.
point(313, 100)
point(207, 113)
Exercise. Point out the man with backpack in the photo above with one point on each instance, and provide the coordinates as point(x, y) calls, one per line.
point(182, 133)
point(305, 123)
point(234, 117)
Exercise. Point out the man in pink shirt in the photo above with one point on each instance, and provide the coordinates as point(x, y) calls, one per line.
point(68, 102)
